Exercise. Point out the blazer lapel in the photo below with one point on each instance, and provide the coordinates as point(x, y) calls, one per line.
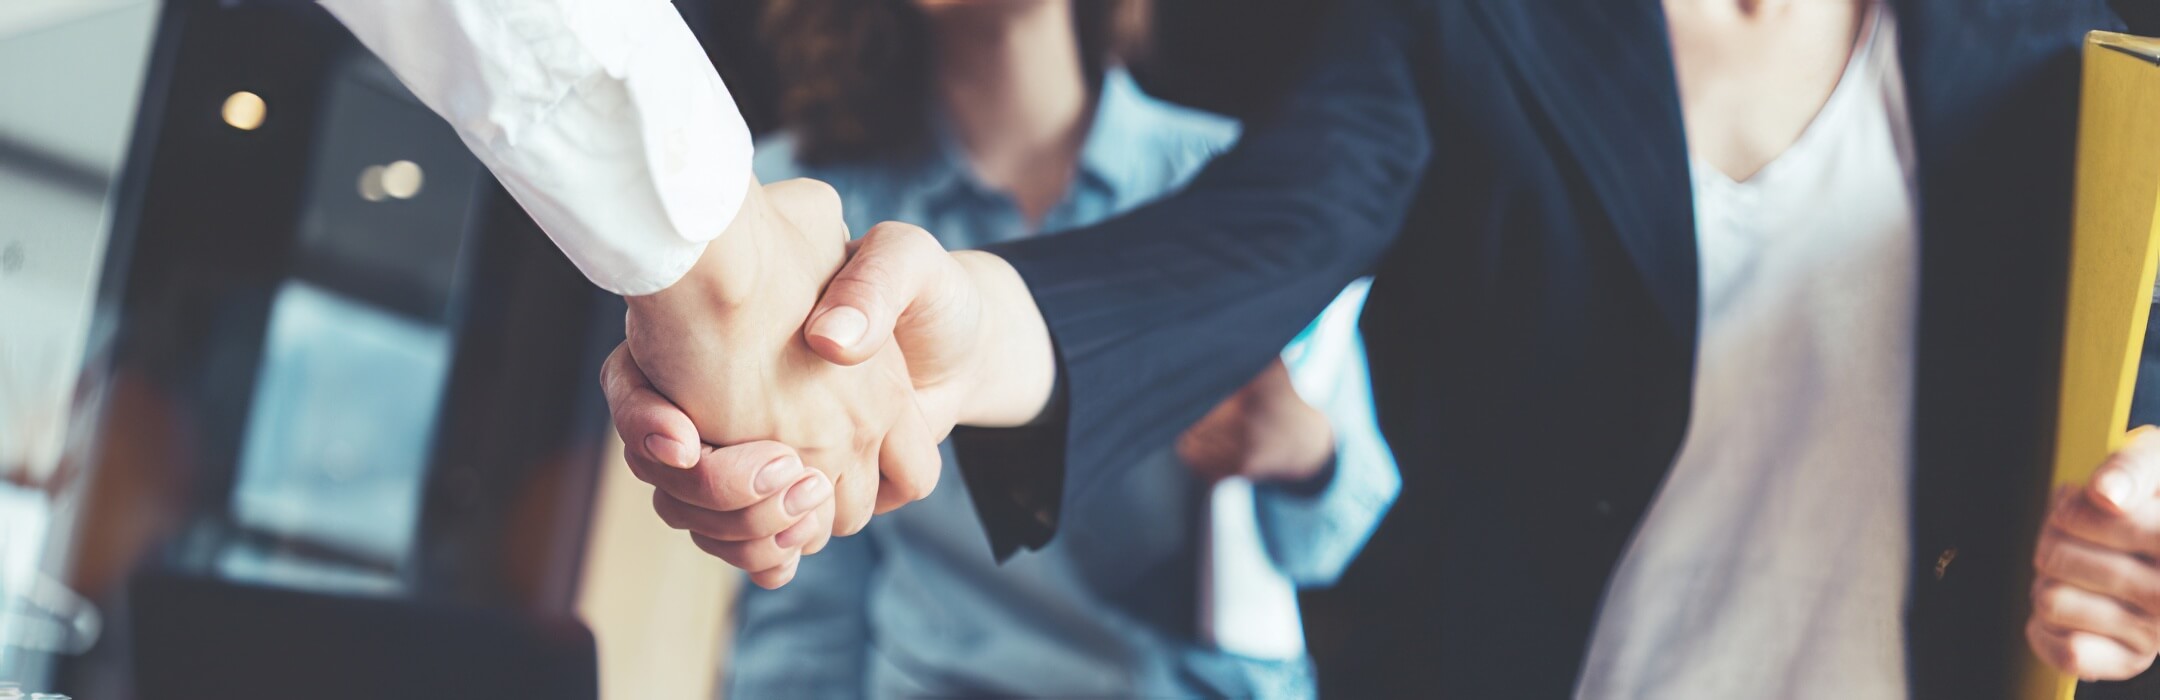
point(1602, 72)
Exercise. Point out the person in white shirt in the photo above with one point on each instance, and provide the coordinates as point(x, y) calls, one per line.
point(606, 121)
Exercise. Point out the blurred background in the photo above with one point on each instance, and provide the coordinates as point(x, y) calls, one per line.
point(292, 395)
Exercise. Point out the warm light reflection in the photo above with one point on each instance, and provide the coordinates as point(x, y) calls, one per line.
point(371, 188)
point(399, 180)
point(402, 179)
point(245, 110)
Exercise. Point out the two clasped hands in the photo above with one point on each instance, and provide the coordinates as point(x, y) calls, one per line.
point(795, 382)
point(765, 397)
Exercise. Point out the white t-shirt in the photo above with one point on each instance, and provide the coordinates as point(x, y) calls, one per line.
point(1773, 562)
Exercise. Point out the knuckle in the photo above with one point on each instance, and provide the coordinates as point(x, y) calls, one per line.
point(764, 521)
point(2050, 647)
point(917, 237)
point(645, 471)
point(890, 231)
point(713, 547)
point(927, 485)
point(909, 490)
point(755, 555)
point(664, 506)
point(607, 375)
point(2144, 592)
point(2080, 516)
point(2145, 640)
point(726, 488)
point(900, 490)
point(850, 521)
point(863, 286)
point(2137, 665)
point(2055, 558)
point(905, 240)
point(817, 189)
point(2048, 600)
point(916, 480)
point(611, 368)
point(762, 556)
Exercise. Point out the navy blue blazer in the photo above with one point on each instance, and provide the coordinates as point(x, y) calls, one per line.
point(1515, 173)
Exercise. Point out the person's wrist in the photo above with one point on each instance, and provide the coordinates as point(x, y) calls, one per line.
point(726, 272)
point(1017, 365)
point(1311, 445)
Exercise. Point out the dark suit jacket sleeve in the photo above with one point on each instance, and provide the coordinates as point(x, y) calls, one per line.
point(1160, 313)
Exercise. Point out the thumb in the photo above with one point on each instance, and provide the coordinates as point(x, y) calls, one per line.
point(2131, 476)
point(886, 274)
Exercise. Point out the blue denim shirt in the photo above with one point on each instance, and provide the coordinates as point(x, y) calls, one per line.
point(916, 605)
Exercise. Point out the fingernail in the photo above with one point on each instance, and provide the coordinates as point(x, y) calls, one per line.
point(843, 325)
point(777, 475)
point(670, 452)
point(808, 495)
point(2116, 488)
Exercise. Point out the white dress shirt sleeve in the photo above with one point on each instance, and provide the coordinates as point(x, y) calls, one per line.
point(604, 118)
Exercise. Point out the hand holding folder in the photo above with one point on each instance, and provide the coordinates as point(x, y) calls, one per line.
point(2096, 594)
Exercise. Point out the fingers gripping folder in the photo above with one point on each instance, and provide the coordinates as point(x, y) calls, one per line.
point(2112, 262)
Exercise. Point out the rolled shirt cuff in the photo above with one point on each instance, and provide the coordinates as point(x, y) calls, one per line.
point(611, 128)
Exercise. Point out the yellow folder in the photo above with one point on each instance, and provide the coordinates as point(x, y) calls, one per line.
point(2112, 260)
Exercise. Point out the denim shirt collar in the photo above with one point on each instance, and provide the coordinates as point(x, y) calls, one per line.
point(1120, 108)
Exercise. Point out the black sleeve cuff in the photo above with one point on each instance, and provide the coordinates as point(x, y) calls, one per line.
point(1016, 477)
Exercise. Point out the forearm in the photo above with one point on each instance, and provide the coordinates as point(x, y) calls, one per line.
point(1160, 313)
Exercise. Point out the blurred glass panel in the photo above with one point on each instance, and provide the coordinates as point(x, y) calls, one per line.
point(358, 349)
point(338, 435)
point(63, 134)
point(71, 72)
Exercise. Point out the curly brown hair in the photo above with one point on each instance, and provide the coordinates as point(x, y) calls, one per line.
point(855, 74)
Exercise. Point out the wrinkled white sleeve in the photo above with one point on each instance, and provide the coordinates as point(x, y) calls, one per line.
point(604, 118)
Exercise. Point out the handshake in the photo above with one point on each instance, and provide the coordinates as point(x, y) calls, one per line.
point(793, 383)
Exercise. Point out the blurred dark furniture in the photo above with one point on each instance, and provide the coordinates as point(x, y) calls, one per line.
point(225, 641)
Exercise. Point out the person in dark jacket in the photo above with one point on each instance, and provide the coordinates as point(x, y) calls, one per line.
point(1715, 339)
